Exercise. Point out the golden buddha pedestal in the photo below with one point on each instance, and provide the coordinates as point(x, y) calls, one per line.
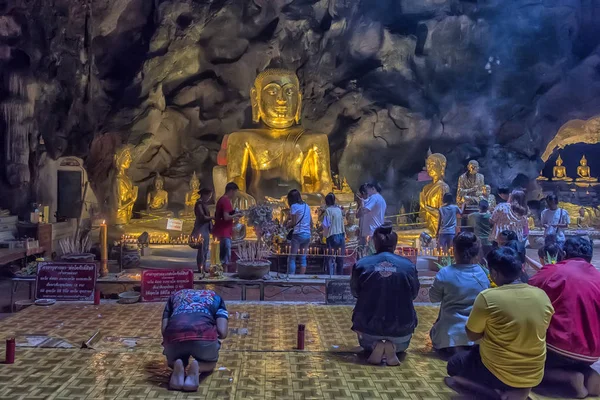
point(157, 200)
point(583, 172)
point(281, 155)
point(191, 197)
point(430, 199)
point(559, 172)
point(470, 186)
point(125, 193)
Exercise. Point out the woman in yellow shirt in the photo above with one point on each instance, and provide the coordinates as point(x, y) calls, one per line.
point(510, 322)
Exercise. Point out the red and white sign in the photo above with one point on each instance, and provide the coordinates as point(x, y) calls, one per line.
point(65, 281)
point(174, 224)
point(160, 284)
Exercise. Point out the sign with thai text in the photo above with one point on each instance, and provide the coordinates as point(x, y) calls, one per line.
point(66, 281)
point(174, 224)
point(337, 291)
point(160, 284)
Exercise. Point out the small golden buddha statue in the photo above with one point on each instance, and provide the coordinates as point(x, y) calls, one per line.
point(470, 185)
point(352, 228)
point(430, 199)
point(281, 154)
point(541, 177)
point(124, 192)
point(191, 197)
point(559, 172)
point(487, 195)
point(158, 198)
point(583, 172)
point(239, 230)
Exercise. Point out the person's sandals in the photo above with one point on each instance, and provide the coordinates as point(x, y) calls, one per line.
point(391, 358)
point(192, 380)
point(377, 353)
point(177, 376)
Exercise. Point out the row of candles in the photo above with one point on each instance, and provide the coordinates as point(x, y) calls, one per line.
point(181, 239)
point(435, 252)
point(315, 251)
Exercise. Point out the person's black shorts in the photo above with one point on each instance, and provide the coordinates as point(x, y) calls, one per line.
point(468, 365)
point(558, 361)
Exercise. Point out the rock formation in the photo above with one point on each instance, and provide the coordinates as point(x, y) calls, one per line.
point(489, 80)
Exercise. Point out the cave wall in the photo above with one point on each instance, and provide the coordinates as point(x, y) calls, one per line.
point(487, 80)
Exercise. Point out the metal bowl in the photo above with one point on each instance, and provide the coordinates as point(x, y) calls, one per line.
point(129, 297)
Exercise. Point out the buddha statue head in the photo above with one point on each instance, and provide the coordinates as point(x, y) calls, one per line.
point(123, 158)
point(559, 161)
point(436, 166)
point(583, 161)
point(276, 98)
point(194, 183)
point(159, 182)
point(473, 167)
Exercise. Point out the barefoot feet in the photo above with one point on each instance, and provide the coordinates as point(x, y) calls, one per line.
point(178, 376)
point(192, 380)
point(391, 358)
point(592, 383)
point(377, 354)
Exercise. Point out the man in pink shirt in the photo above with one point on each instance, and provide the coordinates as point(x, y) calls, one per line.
point(573, 338)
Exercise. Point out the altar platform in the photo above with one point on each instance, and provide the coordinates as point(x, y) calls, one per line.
point(257, 360)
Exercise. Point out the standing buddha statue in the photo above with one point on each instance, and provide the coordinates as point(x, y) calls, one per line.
point(430, 199)
point(280, 155)
point(583, 172)
point(470, 185)
point(191, 197)
point(125, 193)
point(559, 172)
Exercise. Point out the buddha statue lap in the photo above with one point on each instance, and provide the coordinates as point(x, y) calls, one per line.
point(158, 199)
point(269, 161)
point(124, 192)
point(583, 172)
point(470, 186)
point(430, 199)
point(559, 172)
point(191, 197)
point(541, 177)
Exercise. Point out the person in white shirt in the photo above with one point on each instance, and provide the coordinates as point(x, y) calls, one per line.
point(333, 231)
point(371, 211)
point(555, 220)
point(300, 221)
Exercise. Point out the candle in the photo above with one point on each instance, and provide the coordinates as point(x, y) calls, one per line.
point(103, 249)
point(215, 255)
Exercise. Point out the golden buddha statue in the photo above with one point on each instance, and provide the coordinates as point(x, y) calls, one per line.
point(239, 229)
point(559, 172)
point(280, 155)
point(124, 192)
point(352, 228)
point(583, 172)
point(158, 198)
point(487, 195)
point(430, 199)
point(541, 177)
point(470, 185)
point(191, 197)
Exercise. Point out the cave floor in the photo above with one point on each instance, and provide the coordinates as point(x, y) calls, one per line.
point(259, 363)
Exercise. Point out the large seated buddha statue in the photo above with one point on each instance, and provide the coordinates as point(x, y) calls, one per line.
point(280, 155)
point(124, 192)
point(559, 172)
point(583, 172)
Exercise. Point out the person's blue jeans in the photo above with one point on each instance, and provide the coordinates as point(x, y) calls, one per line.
point(225, 250)
point(336, 243)
point(299, 244)
point(445, 240)
point(202, 257)
point(368, 342)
